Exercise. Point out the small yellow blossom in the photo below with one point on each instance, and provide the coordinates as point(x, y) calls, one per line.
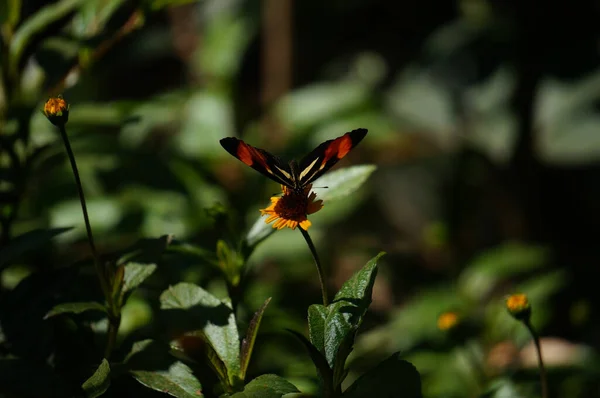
point(56, 110)
point(292, 208)
point(447, 320)
point(518, 306)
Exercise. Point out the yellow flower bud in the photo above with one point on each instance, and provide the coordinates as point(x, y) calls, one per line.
point(447, 321)
point(56, 110)
point(518, 306)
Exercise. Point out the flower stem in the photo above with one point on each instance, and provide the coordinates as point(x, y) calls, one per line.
point(114, 321)
point(320, 271)
point(538, 348)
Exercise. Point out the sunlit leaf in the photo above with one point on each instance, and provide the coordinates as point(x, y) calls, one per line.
point(150, 363)
point(266, 386)
point(177, 381)
point(340, 183)
point(136, 274)
point(332, 329)
point(201, 310)
point(75, 308)
point(348, 307)
point(97, 385)
point(393, 377)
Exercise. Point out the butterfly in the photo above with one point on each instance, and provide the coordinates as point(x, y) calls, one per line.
point(295, 175)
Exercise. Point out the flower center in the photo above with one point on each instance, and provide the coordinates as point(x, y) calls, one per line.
point(292, 206)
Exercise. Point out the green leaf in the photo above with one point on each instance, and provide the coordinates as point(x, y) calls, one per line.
point(317, 316)
point(151, 364)
point(136, 274)
point(304, 108)
point(394, 377)
point(177, 381)
point(27, 242)
point(495, 265)
point(36, 24)
point(348, 307)
point(340, 183)
point(10, 12)
point(93, 16)
point(75, 308)
point(267, 386)
point(192, 308)
point(99, 382)
point(248, 342)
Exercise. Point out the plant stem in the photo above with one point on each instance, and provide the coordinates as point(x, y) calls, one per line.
point(320, 271)
point(538, 348)
point(114, 320)
point(113, 329)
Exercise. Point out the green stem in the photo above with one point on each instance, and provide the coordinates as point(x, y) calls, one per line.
point(114, 320)
point(538, 348)
point(320, 271)
point(113, 329)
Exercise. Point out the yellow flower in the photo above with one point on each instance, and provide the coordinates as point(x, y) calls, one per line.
point(447, 321)
point(291, 209)
point(56, 110)
point(518, 306)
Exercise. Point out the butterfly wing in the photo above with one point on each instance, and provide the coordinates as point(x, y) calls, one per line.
point(326, 155)
point(260, 160)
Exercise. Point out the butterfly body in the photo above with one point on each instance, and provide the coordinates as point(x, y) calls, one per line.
point(295, 175)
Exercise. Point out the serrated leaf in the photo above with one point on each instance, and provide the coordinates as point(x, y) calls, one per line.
point(248, 342)
point(97, 385)
point(191, 308)
point(340, 183)
point(266, 386)
point(27, 242)
point(34, 25)
point(177, 381)
point(348, 307)
point(75, 308)
point(136, 274)
point(394, 377)
point(325, 373)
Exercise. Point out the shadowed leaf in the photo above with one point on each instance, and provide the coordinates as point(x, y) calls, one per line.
point(248, 342)
point(394, 377)
point(26, 243)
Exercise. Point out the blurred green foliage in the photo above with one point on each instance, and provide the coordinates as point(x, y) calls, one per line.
point(154, 85)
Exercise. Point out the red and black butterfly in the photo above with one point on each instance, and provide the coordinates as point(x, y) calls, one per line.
point(295, 175)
